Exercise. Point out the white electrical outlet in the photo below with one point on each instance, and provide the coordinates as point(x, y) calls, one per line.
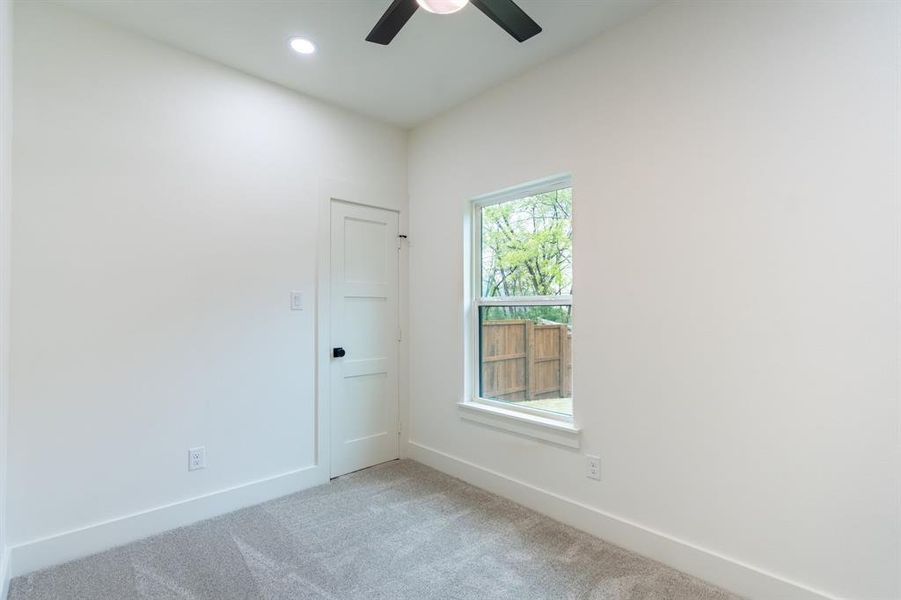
point(593, 467)
point(197, 458)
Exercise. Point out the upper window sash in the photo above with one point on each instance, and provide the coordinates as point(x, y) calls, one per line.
point(546, 185)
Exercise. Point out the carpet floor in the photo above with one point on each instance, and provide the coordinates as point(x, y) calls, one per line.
point(397, 531)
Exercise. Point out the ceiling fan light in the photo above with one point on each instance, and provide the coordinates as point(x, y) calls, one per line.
point(442, 7)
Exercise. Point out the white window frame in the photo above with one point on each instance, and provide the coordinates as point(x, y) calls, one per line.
point(555, 427)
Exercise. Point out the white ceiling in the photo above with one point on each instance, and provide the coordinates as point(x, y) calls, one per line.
point(434, 63)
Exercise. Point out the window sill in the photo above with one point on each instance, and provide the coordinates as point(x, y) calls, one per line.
point(541, 428)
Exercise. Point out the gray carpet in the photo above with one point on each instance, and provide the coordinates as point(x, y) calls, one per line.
point(397, 531)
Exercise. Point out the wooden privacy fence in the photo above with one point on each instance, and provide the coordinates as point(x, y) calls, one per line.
point(525, 360)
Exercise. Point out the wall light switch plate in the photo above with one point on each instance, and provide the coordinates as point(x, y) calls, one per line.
point(197, 458)
point(593, 467)
point(296, 301)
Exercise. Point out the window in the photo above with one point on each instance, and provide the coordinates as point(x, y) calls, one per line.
point(523, 278)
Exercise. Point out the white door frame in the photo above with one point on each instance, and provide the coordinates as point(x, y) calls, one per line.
point(380, 199)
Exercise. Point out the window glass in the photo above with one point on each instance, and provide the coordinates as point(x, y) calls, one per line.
point(526, 246)
point(525, 281)
point(526, 356)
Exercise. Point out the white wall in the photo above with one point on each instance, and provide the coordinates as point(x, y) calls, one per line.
point(736, 285)
point(164, 208)
point(6, 56)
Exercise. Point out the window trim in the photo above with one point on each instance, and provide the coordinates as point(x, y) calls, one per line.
point(498, 408)
point(555, 431)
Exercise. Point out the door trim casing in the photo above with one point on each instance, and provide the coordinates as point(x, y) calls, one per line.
point(380, 198)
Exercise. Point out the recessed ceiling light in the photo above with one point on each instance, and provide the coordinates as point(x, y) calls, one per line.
point(442, 7)
point(302, 45)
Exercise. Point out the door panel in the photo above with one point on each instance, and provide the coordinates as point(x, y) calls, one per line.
point(364, 321)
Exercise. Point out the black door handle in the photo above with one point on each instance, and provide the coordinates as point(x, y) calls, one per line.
point(338, 352)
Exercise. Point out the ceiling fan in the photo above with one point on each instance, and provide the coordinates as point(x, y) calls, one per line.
point(503, 12)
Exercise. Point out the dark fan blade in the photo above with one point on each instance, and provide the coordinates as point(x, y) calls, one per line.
point(391, 22)
point(509, 16)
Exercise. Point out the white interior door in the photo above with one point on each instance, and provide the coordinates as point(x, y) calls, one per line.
point(364, 324)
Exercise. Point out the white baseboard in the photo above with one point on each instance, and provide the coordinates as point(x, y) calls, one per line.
point(78, 543)
point(4, 572)
point(728, 573)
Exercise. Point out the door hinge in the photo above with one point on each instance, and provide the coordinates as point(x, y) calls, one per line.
point(400, 240)
point(400, 334)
